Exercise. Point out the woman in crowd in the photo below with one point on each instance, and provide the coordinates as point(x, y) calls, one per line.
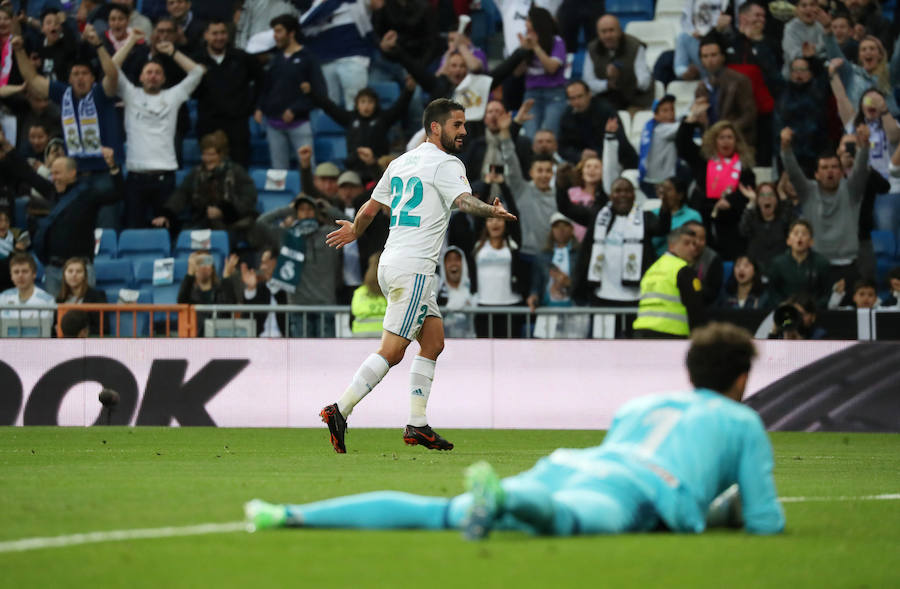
point(764, 223)
point(545, 79)
point(75, 290)
point(744, 288)
point(720, 165)
point(501, 280)
point(588, 188)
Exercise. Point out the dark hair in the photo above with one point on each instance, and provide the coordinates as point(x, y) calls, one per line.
point(579, 82)
point(65, 291)
point(756, 288)
point(827, 154)
point(803, 222)
point(120, 7)
point(7, 212)
point(544, 25)
point(805, 300)
point(73, 323)
point(215, 21)
point(20, 258)
point(216, 140)
point(288, 21)
point(713, 38)
point(864, 283)
point(719, 354)
point(367, 92)
point(746, 6)
point(681, 185)
point(82, 61)
point(46, 11)
point(541, 157)
point(438, 111)
point(43, 124)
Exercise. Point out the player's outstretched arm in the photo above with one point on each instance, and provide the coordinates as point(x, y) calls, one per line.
point(347, 232)
point(474, 206)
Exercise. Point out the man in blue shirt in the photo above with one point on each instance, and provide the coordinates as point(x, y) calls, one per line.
point(674, 461)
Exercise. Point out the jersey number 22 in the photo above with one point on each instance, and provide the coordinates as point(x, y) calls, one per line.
point(413, 195)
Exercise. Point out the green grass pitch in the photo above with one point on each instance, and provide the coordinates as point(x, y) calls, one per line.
point(56, 481)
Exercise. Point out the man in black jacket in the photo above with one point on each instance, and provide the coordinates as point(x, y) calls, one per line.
point(583, 127)
point(228, 91)
point(68, 231)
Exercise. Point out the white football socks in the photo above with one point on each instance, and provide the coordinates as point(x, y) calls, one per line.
point(421, 373)
point(369, 374)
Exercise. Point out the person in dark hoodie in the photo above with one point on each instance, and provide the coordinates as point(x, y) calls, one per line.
point(367, 125)
point(800, 107)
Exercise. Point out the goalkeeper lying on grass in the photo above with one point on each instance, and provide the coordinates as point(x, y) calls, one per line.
point(674, 461)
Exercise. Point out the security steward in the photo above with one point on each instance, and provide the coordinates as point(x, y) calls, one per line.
point(671, 294)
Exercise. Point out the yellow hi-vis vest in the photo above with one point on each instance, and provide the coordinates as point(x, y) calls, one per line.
point(368, 312)
point(661, 308)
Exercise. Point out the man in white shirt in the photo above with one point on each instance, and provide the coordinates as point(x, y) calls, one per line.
point(417, 191)
point(151, 118)
point(23, 270)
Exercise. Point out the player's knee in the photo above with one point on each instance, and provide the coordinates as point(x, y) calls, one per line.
point(392, 356)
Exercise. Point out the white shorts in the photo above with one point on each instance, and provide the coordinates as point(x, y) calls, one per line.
point(411, 298)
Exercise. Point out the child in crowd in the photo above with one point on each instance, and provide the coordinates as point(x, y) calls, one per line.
point(658, 155)
point(744, 288)
point(865, 295)
point(800, 270)
point(893, 300)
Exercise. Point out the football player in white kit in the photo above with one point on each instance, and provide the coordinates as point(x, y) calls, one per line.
point(417, 190)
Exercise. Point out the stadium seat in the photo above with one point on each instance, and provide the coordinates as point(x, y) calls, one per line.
point(683, 91)
point(727, 269)
point(268, 201)
point(388, 93)
point(259, 151)
point(21, 212)
point(139, 245)
point(638, 122)
point(113, 274)
point(321, 123)
point(105, 244)
point(126, 321)
point(630, 10)
point(884, 244)
point(669, 10)
point(577, 64)
point(652, 32)
point(330, 148)
point(180, 175)
point(191, 152)
point(218, 246)
point(291, 181)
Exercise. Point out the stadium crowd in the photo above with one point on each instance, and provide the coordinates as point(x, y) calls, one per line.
point(770, 170)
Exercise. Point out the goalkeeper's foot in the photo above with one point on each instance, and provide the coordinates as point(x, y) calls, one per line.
point(263, 516)
point(487, 500)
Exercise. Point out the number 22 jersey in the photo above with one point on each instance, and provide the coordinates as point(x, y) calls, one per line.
point(419, 187)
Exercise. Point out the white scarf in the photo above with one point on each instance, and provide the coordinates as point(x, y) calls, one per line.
point(632, 249)
point(82, 132)
point(473, 93)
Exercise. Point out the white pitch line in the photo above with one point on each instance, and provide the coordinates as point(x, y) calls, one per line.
point(113, 535)
point(884, 497)
point(26, 544)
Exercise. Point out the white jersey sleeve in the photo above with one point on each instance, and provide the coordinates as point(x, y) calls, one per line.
point(382, 191)
point(450, 181)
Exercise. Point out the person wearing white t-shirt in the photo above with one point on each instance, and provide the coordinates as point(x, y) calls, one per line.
point(418, 191)
point(151, 118)
point(23, 270)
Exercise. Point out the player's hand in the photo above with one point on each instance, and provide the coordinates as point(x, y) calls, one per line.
point(342, 235)
point(304, 155)
point(501, 213)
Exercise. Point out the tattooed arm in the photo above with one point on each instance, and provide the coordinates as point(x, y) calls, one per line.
point(473, 206)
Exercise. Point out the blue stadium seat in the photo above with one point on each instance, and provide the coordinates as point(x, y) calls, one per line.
point(629, 10)
point(884, 243)
point(21, 212)
point(388, 93)
point(139, 245)
point(192, 114)
point(108, 248)
point(330, 148)
point(126, 320)
point(113, 274)
point(259, 151)
point(167, 294)
point(268, 201)
point(191, 152)
point(727, 269)
point(218, 246)
point(578, 64)
point(323, 124)
point(39, 275)
point(291, 181)
point(180, 175)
